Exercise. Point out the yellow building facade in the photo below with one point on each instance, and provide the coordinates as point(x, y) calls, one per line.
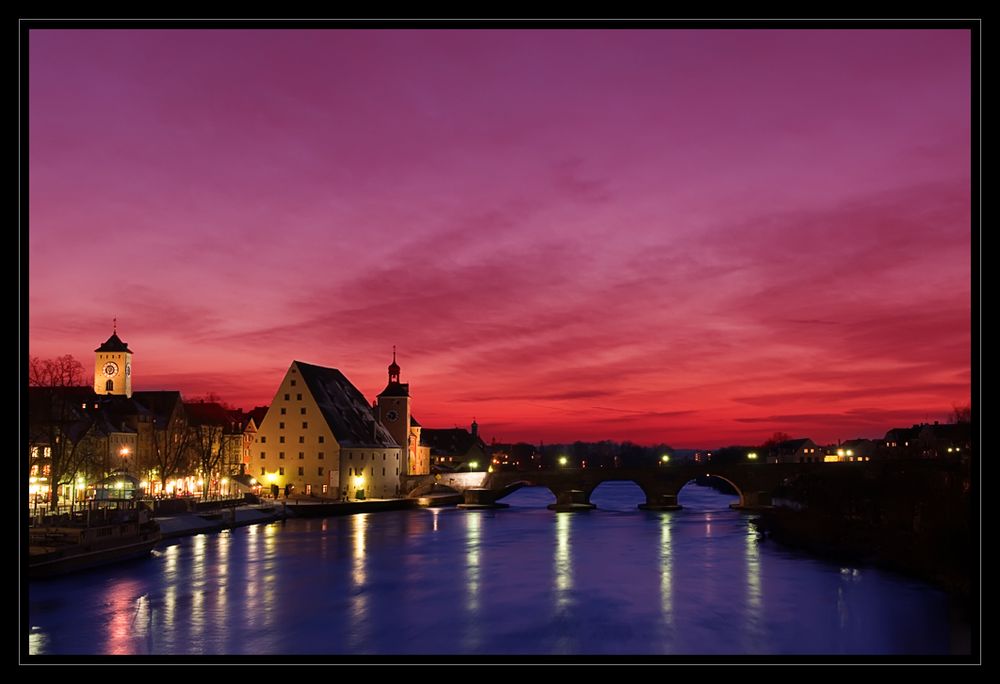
point(320, 437)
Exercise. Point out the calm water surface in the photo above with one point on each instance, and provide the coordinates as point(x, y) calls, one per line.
point(523, 580)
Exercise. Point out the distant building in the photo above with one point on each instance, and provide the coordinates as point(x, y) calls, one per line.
point(929, 440)
point(454, 448)
point(794, 451)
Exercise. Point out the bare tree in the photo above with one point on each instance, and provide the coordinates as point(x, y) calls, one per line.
point(171, 447)
point(777, 438)
point(961, 414)
point(208, 443)
point(62, 371)
point(58, 420)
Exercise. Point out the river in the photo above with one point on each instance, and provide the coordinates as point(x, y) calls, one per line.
point(522, 580)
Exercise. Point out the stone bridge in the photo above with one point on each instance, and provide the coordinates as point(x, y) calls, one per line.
point(572, 487)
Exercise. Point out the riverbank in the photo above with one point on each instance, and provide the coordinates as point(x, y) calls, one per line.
point(186, 524)
point(930, 557)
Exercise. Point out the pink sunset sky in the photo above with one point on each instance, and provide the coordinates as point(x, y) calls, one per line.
point(696, 237)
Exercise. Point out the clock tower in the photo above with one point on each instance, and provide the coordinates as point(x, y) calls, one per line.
point(393, 410)
point(113, 366)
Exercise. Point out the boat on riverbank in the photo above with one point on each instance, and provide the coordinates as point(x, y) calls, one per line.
point(72, 542)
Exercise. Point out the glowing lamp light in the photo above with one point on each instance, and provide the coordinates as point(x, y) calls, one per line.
point(35, 479)
point(359, 481)
point(33, 489)
point(665, 458)
point(124, 451)
point(144, 485)
point(119, 485)
point(201, 483)
point(271, 477)
point(562, 460)
point(850, 452)
point(490, 469)
point(253, 480)
point(473, 465)
point(225, 480)
point(840, 452)
point(752, 455)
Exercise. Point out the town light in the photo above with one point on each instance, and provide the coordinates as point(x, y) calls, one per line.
point(752, 455)
point(225, 481)
point(124, 452)
point(562, 460)
point(253, 480)
point(840, 452)
point(359, 481)
point(473, 465)
point(850, 452)
point(665, 458)
point(271, 477)
point(143, 485)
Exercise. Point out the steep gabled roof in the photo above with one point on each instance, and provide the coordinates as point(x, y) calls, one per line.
point(344, 408)
point(161, 403)
point(114, 344)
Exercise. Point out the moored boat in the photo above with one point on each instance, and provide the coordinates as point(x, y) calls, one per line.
point(68, 544)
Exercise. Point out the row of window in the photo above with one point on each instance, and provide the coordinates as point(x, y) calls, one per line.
point(301, 410)
point(281, 438)
point(350, 457)
point(298, 397)
point(302, 454)
point(361, 471)
point(281, 471)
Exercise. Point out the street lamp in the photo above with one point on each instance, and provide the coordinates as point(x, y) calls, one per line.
point(123, 452)
point(562, 460)
point(665, 458)
point(752, 455)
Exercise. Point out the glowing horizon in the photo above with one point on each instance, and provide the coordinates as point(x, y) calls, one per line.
point(697, 237)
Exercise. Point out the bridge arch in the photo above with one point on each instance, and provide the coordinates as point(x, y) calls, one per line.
point(740, 491)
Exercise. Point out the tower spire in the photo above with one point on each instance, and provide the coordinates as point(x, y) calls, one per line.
point(393, 367)
point(114, 325)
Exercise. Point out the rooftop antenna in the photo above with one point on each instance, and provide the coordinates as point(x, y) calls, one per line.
point(114, 326)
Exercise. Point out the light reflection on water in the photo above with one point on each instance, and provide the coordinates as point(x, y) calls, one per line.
point(523, 580)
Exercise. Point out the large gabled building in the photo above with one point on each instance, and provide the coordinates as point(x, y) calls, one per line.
point(320, 437)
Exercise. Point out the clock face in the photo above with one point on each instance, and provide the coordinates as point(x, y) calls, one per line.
point(110, 368)
point(391, 415)
point(128, 369)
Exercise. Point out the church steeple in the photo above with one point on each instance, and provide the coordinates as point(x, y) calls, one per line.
point(113, 366)
point(393, 367)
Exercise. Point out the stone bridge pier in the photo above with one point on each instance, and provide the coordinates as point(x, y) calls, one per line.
point(571, 500)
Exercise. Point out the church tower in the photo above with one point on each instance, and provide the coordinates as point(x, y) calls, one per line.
point(113, 366)
point(393, 410)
